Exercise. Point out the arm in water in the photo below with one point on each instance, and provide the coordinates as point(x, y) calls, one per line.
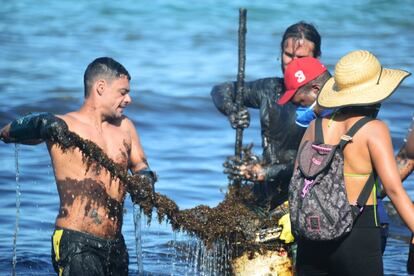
point(34, 128)
point(140, 169)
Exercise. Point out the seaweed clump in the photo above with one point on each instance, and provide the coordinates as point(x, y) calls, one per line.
point(233, 219)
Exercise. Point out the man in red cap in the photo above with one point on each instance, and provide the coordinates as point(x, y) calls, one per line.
point(304, 78)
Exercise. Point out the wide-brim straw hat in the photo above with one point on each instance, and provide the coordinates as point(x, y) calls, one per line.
point(359, 80)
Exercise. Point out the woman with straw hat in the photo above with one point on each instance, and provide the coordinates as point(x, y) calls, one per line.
point(358, 87)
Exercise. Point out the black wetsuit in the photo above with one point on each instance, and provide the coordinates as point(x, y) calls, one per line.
point(359, 253)
point(77, 253)
point(280, 134)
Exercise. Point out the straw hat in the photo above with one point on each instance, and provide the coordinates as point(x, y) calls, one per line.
point(359, 79)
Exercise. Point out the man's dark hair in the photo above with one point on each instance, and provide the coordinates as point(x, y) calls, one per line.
point(303, 30)
point(103, 67)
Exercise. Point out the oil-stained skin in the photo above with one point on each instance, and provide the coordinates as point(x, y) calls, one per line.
point(125, 153)
point(404, 163)
point(92, 193)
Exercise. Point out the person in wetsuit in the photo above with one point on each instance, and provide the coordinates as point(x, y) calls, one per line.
point(87, 239)
point(359, 85)
point(280, 134)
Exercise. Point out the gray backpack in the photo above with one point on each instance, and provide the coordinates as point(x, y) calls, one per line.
point(318, 202)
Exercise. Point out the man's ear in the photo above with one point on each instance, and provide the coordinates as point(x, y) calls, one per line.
point(100, 86)
point(316, 88)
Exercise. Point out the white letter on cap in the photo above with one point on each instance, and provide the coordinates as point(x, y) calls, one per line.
point(300, 77)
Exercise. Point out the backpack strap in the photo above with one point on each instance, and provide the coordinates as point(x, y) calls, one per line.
point(365, 193)
point(318, 131)
point(369, 185)
point(351, 132)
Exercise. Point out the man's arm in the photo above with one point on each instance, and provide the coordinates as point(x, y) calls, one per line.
point(138, 165)
point(33, 129)
point(224, 94)
point(137, 158)
point(254, 94)
point(410, 143)
point(404, 162)
point(405, 157)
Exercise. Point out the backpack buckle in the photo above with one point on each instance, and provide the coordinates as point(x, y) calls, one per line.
point(346, 137)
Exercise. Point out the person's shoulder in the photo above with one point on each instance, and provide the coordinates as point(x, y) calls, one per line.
point(377, 124)
point(274, 81)
point(271, 87)
point(375, 129)
point(126, 122)
point(70, 117)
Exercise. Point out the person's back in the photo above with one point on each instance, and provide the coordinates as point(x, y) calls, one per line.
point(357, 155)
point(359, 85)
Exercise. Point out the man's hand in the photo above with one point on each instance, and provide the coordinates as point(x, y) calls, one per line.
point(253, 172)
point(4, 134)
point(232, 168)
point(240, 119)
point(142, 185)
point(239, 170)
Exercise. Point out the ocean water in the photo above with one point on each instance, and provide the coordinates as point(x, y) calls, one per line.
point(175, 52)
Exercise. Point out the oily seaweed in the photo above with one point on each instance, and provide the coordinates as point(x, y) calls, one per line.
point(233, 219)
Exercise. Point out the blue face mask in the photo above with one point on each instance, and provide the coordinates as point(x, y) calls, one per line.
point(305, 115)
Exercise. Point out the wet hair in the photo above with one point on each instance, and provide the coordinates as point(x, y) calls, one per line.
point(303, 30)
point(105, 68)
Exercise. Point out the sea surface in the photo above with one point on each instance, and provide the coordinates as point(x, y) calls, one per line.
point(175, 52)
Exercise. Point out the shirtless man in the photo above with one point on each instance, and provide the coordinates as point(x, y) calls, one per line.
point(87, 239)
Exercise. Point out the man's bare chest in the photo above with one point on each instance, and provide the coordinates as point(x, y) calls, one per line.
point(114, 142)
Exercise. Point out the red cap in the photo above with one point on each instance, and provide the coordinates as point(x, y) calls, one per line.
point(298, 73)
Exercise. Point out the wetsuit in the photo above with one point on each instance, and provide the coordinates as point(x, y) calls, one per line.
point(281, 136)
point(358, 253)
point(78, 253)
